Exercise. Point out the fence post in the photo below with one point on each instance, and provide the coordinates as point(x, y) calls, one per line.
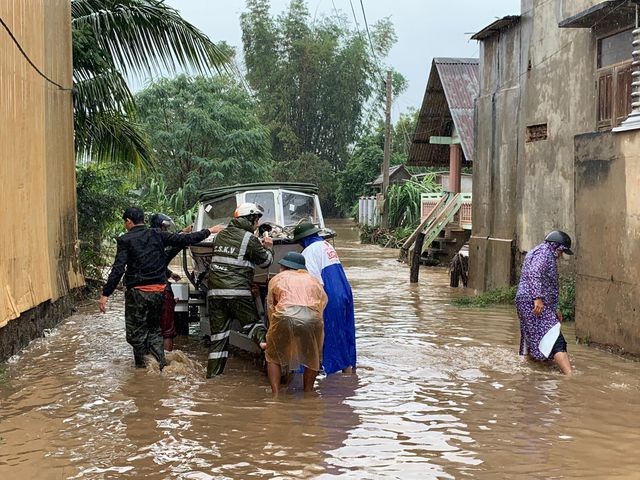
point(415, 261)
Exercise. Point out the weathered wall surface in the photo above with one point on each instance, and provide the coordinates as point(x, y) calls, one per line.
point(497, 144)
point(558, 90)
point(533, 73)
point(38, 228)
point(608, 233)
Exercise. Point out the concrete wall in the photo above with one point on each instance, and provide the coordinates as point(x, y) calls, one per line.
point(494, 170)
point(608, 235)
point(533, 73)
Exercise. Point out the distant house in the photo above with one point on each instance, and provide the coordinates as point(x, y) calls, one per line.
point(443, 179)
point(557, 142)
point(397, 174)
point(444, 133)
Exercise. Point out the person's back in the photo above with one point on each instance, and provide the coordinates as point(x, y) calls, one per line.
point(539, 276)
point(295, 304)
point(147, 259)
point(339, 318)
point(236, 254)
point(295, 288)
point(140, 257)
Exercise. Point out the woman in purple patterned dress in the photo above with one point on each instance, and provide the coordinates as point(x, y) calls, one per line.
point(537, 302)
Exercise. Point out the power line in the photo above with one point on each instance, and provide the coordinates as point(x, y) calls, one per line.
point(366, 24)
point(24, 54)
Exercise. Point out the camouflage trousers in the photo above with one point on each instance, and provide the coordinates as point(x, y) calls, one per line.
point(222, 312)
point(142, 321)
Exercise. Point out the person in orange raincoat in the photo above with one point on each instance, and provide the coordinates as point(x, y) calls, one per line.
point(295, 302)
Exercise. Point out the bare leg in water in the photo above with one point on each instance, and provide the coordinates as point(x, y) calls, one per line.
point(168, 344)
point(309, 379)
point(274, 373)
point(562, 360)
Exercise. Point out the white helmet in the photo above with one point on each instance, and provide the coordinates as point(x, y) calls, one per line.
point(246, 209)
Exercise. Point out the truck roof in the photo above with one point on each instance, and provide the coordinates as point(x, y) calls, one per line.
point(220, 192)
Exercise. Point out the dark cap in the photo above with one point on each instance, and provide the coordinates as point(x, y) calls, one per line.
point(294, 260)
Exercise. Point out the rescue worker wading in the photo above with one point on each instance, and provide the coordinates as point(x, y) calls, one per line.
point(236, 254)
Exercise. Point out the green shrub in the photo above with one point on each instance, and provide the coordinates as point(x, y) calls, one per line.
point(403, 201)
point(498, 296)
point(567, 298)
point(506, 296)
point(384, 237)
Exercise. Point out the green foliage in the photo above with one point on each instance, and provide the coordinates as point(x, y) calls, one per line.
point(310, 168)
point(403, 131)
point(102, 197)
point(385, 238)
point(365, 162)
point(404, 204)
point(498, 296)
point(205, 134)
point(506, 296)
point(313, 79)
point(363, 167)
point(567, 298)
point(153, 197)
point(114, 38)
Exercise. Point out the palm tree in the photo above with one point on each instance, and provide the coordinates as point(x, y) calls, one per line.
point(113, 39)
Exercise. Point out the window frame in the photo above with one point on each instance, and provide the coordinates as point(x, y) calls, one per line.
point(619, 103)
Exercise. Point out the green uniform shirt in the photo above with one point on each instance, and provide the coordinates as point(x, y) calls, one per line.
point(236, 254)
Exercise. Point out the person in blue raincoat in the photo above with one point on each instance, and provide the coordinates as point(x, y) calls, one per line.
point(339, 351)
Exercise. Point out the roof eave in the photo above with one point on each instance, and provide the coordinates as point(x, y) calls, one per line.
point(496, 27)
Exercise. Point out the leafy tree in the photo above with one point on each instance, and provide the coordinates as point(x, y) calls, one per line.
point(313, 80)
point(205, 134)
point(403, 131)
point(310, 168)
point(116, 38)
point(365, 162)
point(102, 197)
point(363, 167)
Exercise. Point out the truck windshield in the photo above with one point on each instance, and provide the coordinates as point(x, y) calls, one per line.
point(297, 207)
point(218, 212)
point(267, 201)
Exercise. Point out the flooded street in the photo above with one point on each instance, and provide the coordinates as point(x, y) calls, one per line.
point(440, 392)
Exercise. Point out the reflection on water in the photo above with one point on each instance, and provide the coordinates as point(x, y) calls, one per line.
point(440, 393)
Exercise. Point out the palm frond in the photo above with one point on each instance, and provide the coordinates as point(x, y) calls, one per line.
point(112, 137)
point(103, 92)
point(147, 36)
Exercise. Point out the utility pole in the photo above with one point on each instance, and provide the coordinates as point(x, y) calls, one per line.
point(387, 153)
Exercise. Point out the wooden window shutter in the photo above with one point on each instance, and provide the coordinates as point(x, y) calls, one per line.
point(605, 99)
point(622, 101)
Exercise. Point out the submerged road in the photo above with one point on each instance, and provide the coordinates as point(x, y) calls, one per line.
point(440, 392)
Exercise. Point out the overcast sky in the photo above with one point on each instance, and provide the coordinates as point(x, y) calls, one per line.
point(425, 29)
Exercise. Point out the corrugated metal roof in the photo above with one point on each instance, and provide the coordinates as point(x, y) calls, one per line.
point(448, 101)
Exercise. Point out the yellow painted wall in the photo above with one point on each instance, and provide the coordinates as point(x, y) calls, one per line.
point(38, 226)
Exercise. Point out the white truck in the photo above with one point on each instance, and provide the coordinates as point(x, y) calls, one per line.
point(285, 205)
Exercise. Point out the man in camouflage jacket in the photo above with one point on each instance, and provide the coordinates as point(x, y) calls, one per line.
point(141, 258)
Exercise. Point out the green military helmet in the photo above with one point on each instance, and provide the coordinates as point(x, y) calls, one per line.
point(303, 230)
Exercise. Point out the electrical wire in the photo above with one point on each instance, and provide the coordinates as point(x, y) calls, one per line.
point(366, 24)
point(33, 65)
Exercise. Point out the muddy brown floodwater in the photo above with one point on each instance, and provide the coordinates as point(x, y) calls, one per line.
point(440, 392)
